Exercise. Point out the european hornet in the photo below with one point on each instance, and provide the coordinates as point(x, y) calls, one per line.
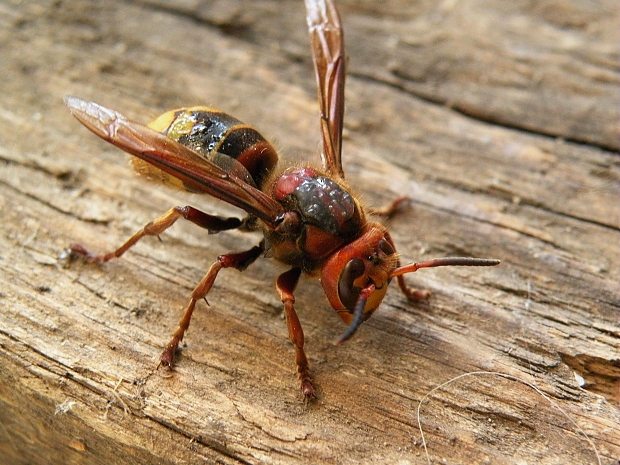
point(310, 219)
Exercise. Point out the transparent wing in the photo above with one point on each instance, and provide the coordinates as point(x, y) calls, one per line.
point(327, 42)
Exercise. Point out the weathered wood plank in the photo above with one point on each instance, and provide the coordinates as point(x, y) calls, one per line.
point(546, 67)
point(79, 345)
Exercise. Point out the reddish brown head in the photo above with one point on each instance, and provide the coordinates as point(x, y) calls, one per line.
point(356, 277)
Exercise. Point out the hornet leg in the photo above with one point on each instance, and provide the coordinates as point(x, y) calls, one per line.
point(155, 228)
point(286, 284)
point(239, 261)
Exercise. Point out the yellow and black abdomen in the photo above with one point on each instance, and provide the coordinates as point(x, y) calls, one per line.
point(218, 137)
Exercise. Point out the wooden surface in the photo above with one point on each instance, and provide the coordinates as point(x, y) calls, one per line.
point(500, 120)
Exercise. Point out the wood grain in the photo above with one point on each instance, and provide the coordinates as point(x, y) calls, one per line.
point(499, 119)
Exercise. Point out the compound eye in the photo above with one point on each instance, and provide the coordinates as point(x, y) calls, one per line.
point(347, 292)
point(386, 247)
